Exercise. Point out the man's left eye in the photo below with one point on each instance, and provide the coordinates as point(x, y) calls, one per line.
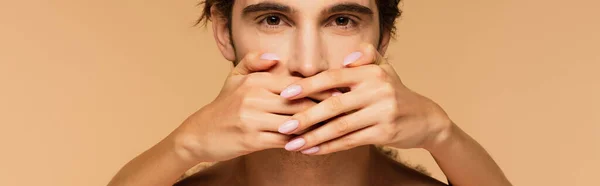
point(342, 22)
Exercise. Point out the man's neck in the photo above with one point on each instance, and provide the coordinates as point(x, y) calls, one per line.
point(280, 167)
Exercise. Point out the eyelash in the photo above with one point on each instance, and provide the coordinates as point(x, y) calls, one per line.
point(262, 21)
point(352, 22)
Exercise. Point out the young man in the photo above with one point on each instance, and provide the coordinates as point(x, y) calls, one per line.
point(309, 97)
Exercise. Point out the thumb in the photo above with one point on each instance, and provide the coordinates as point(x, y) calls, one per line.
point(255, 62)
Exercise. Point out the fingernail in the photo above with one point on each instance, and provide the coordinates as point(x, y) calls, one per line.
point(295, 144)
point(288, 126)
point(311, 150)
point(269, 56)
point(291, 91)
point(352, 58)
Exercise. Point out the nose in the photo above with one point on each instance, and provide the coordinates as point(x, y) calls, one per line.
point(308, 56)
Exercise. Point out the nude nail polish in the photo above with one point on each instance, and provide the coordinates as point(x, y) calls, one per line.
point(288, 126)
point(291, 91)
point(312, 150)
point(295, 144)
point(352, 58)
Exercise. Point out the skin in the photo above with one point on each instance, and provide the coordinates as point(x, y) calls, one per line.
point(309, 98)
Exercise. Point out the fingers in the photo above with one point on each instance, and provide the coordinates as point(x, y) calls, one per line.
point(272, 103)
point(356, 139)
point(273, 83)
point(276, 84)
point(327, 109)
point(339, 127)
point(260, 121)
point(268, 140)
point(367, 54)
point(255, 62)
point(330, 79)
point(321, 96)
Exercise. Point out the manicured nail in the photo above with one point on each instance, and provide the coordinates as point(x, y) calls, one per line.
point(291, 91)
point(288, 126)
point(352, 58)
point(312, 150)
point(269, 56)
point(295, 144)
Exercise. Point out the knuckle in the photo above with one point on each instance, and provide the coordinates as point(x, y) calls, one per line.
point(310, 138)
point(249, 141)
point(302, 117)
point(377, 72)
point(387, 90)
point(245, 101)
point(332, 76)
point(348, 143)
point(251, 56)
point(341, 126)
point(243, 125)
point(335, 104)
point(392, 112)
point(249, 60)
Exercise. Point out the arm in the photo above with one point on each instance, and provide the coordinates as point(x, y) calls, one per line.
point(159, 165)
point(465, 162)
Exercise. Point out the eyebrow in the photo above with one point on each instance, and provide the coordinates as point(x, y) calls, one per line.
point(348, 7)
point(266, 6)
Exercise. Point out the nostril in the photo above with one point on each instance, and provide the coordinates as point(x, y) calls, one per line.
point(297, 74)
point(305, 69)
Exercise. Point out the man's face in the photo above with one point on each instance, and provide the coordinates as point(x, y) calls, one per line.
point(309, 36)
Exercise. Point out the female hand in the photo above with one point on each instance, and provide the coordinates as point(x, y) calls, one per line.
point(378, 109)
point(244, 117)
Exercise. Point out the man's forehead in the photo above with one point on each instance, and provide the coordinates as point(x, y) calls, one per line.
point(306, 4)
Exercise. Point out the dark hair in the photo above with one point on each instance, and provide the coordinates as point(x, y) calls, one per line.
point(388, 12)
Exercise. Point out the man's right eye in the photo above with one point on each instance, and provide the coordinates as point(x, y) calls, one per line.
point(272, 23)
point(272, 20)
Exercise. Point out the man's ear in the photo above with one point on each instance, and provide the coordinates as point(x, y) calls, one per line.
point(220, 25)
point(384, 42)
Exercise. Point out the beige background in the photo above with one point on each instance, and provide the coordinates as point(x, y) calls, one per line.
point(87, 85)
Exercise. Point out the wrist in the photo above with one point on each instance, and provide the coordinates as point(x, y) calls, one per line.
point(444, 138)
point(186, 142)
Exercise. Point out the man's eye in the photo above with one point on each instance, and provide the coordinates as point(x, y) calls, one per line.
point(342, 21)
point(273, 20)
point(272, 23)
